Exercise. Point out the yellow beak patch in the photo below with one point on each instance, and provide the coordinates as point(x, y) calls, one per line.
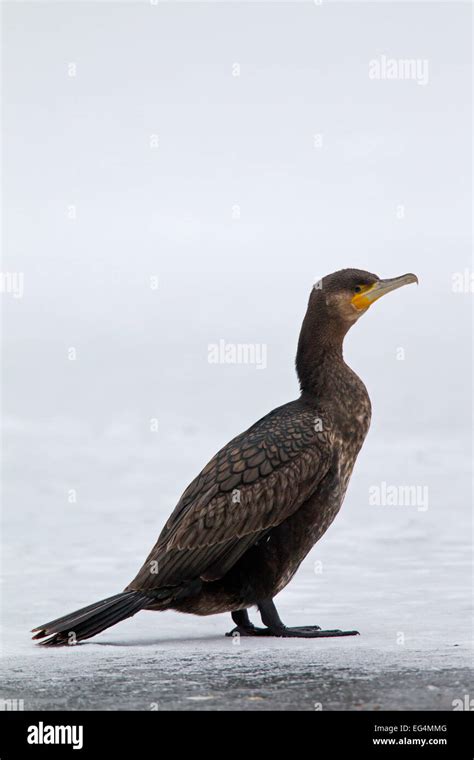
point(361, 300)
point(370, 293)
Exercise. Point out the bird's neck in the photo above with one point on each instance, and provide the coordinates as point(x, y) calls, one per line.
point(319, 358)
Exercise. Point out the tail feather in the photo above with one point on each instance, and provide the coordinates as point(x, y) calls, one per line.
point(78, 614)
point(88, 621)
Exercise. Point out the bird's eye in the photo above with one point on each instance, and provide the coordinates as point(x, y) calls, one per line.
point(357, 289)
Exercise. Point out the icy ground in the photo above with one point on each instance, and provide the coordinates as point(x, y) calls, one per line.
point(400, 575)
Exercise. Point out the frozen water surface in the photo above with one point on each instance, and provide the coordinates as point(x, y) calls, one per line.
point(400, 575)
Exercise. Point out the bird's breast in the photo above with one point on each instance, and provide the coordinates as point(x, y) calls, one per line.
point(349, 425)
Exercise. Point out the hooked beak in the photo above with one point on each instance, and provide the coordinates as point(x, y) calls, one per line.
point(364, 299)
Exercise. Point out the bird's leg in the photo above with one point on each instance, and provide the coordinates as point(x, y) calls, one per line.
point(243, 625)
point(275, 627)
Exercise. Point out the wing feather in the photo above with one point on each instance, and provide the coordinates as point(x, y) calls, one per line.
point(251, 485)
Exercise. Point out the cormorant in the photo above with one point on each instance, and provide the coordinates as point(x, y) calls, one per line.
point(245, 523)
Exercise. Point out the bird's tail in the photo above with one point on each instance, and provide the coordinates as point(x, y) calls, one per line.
point(86, 622)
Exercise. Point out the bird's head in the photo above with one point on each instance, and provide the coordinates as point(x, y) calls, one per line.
point(347, 294)
point(335, 304)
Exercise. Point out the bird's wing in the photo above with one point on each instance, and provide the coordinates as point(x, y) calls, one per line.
point(251, 485)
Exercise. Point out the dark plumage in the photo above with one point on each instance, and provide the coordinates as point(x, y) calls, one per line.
point(243, 526)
